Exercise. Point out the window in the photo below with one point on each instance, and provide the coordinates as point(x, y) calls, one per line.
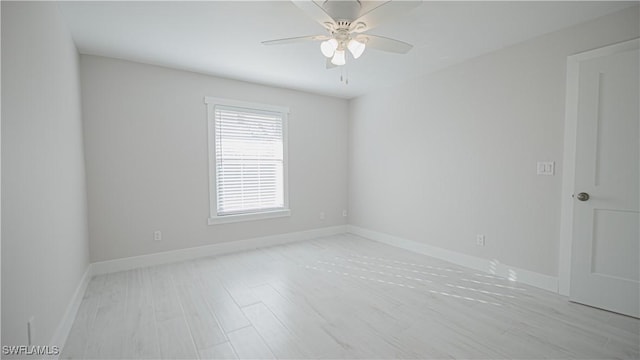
point(247, 161)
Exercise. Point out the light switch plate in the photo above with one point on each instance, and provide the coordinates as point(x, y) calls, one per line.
point(546, 167)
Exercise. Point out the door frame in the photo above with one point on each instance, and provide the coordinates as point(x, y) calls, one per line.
point(569, 156)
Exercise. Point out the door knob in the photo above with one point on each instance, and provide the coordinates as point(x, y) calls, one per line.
point(583, 196)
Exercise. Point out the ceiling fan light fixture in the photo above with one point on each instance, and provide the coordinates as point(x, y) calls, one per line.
point(328, 47)
point(356, 48)
point(339, 58)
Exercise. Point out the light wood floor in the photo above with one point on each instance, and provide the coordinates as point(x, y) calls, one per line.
point(336, 297)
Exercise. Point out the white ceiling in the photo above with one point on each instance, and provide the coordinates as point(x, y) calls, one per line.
point(223, 38)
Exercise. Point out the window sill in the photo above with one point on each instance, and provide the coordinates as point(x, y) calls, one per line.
point(225, 219)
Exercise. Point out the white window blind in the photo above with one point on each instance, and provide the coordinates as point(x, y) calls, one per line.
point(249, 160)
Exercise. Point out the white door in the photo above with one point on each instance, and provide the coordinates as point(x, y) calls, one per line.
point(605, 264)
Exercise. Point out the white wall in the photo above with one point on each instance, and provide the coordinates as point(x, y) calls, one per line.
point(453, 154)
point(44, 237)
point(146, 154)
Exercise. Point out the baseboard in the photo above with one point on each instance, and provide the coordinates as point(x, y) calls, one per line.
point(494, 267)
point(110, 266)
point(62, 331)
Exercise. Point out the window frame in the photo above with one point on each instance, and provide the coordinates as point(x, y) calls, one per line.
point(214, 217)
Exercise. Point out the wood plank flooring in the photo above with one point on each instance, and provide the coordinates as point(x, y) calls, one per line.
point(339, 297)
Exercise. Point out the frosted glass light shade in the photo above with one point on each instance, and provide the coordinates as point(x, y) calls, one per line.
point(339, 58)
point(356, 47)
point(328, 47)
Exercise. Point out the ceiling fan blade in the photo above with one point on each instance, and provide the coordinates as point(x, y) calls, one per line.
point(382, 13)
point(316, 12)
point(330, 65)
point(295, 40)
point(384, 43)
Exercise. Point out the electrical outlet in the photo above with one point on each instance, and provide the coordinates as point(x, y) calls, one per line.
point(480, 240)
point(157, 235)
point(322, 215)
point(344, 213)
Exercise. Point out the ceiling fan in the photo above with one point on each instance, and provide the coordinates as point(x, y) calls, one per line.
point(346, 23)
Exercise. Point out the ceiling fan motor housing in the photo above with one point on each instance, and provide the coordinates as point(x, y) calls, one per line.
point(341, 31)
